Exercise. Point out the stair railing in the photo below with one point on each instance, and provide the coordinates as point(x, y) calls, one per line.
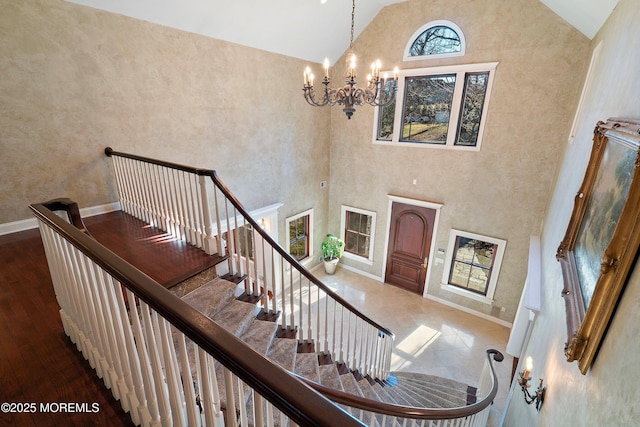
point(377, 413)
point(162, 359)
point(194, 204)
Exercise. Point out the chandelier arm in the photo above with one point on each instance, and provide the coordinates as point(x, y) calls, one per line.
point(376, 92)
point(309, 96)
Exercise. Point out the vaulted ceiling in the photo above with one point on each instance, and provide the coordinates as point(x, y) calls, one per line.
point(305, 29)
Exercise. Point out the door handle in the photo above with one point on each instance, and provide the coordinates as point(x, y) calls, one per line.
point(426, 262)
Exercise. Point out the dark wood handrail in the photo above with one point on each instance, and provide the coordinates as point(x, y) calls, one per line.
point(296, 399)
point(235, 202)
point(413, 412)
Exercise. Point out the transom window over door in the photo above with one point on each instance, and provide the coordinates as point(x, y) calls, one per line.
point(440, 107)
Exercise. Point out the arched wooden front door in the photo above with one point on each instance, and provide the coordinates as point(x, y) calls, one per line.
point(410, 235)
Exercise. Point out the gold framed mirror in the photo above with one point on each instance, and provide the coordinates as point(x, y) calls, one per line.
point(600, 245)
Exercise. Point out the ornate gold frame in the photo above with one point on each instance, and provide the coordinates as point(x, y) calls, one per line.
point(586, 325)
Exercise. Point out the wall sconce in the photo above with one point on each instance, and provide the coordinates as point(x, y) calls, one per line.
point(523, 381)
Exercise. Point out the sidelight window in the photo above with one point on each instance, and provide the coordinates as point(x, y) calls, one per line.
point(472, 264)
point(358, 232)
point(299, 236)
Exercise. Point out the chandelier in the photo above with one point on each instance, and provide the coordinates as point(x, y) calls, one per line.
point(377, 92)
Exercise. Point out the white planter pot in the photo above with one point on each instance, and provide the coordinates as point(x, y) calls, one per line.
point(330, 265)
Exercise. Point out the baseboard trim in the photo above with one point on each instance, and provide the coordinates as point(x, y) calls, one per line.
point(470, 311)
point(31, 223)
point(360, 272)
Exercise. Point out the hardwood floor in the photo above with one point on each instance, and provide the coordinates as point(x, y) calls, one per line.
point(161, 256)
point(38, 362)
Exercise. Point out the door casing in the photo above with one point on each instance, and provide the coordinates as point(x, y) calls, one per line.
point(415, 202)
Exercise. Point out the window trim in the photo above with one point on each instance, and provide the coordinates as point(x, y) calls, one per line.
point(456, 105)
point(495, 269)
point(288, 220)
point(438, 23)
point(372, 235)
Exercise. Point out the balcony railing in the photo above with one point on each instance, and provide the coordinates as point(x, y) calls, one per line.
point(168, 364)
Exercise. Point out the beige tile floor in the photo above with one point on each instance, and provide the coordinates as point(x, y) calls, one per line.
point(430, 337)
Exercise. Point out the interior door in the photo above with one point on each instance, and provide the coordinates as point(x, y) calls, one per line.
point(409, 246)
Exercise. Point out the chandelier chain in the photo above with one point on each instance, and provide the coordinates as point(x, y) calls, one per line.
point(353, 19)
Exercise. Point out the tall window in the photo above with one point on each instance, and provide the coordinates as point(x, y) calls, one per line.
point(358, 226)
point(443, 107)
point(299, 236)
point(473, 263)
point(435, 39)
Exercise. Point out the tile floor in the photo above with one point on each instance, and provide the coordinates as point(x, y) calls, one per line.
point(430, 337)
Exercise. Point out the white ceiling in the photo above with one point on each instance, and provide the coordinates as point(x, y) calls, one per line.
point(305, 29)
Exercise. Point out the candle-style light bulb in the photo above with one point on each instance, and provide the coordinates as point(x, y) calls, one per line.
point(395, 73)
point(326, 67)
point(307, 72)
point(353, 65)
point(528, 367)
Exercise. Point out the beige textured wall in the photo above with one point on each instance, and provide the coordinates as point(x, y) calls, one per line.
point(501, 191)
point(75, 80)
point(608, 394)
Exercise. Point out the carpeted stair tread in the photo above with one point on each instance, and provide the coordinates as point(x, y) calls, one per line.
point(419, 378)
point(235, 316)
point(307, 366)
point(384, 395)
point(259, 335)
point(283, 352)
point(432, 390)
point(194, 282)
point(428, 399)
point(408, 399)
point(211, 297)
point(350, 385)
point(367, 390)
point(330, 377)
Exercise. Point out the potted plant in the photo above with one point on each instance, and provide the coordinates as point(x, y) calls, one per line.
point(332, 250)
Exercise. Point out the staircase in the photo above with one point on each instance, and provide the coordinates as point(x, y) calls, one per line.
point(145, 341)
point(223, 301)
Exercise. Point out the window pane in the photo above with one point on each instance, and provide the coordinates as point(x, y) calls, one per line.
point(434, 41)
point(357, 233)
point(351, 242)
point(386, 115)
point(299, 249)
point(427, 108)
point(464, 249)
point(298, 238)
point(475, 89)
point(363, 246)
point(472, 264)
point(353, 221)
point(484, 253)
point(460, 273)
point(478, 280)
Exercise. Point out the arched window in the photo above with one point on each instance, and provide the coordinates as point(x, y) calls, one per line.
point(436, 39)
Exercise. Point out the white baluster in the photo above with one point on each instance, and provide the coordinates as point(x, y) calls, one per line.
point(232, 421)
point(148, 381)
